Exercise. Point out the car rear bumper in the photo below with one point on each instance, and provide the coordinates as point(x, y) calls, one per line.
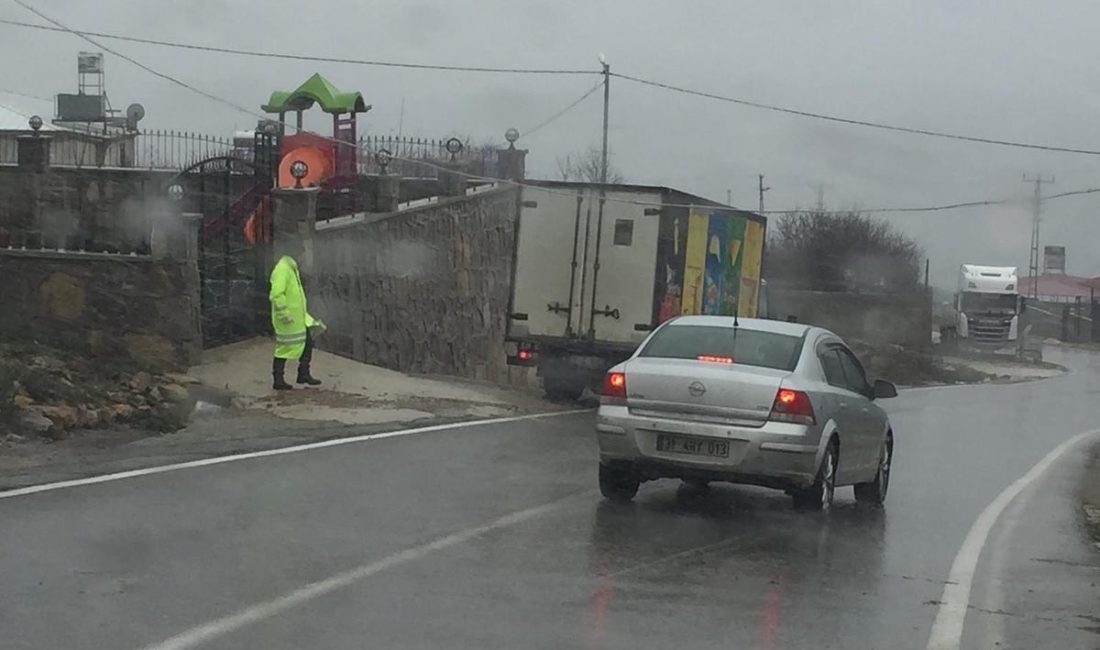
point(778, 454)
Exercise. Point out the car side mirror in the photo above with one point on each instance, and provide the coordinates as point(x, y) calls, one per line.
point(884, 389)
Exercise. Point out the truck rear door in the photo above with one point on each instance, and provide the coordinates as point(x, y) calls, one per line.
point(545, 296)
point(621, 271)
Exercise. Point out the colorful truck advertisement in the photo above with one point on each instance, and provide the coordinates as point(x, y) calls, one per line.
point(709, 263)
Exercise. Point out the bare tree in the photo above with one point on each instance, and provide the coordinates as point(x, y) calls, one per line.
point(586, 167)
point(846, 251)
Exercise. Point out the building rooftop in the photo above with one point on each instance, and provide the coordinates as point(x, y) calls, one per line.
point(1057, 285)
point(15, 110)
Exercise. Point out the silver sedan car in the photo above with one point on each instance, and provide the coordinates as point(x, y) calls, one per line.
point(782, 405)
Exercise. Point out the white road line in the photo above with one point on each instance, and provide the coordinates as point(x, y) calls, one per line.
point(219, 460)
point(201, 634)
point(947, 629)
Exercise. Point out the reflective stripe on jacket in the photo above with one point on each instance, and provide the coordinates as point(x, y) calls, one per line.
point(289, 316)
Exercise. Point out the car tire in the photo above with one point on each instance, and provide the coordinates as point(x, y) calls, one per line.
point(618, 483)
point(562, 390)
point(874, 492)
point(819, 496)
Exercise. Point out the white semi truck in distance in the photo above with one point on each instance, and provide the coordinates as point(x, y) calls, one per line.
point(988, 309)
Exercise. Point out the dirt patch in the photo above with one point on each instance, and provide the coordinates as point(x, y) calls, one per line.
point(1090, 493)
point(912, 368)
point(51, 392)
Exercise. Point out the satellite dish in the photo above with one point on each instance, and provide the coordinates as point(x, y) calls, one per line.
point(134, 113)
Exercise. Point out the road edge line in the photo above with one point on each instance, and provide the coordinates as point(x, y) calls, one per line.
point(280, 451)
point(947, 629)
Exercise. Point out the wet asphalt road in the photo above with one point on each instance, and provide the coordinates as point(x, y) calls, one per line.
point(393, 524)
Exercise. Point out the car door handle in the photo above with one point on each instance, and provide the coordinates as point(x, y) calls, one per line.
point(844, 405)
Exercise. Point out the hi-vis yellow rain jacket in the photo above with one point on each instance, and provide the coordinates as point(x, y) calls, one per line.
point(289, 316)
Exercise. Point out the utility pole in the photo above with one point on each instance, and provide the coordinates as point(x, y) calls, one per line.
point(606, 100)
point(603, 196)
point(762, 190)
point(729, 197)
point(1033, 258)
point(821, 197)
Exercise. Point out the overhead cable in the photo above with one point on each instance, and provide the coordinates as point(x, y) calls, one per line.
point(853, 122)
point(87, 37)
point(291, 57)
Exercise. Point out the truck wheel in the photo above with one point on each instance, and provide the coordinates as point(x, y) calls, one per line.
point(618, 483)
point(819, 496)
point(562, 390)
point(874, 493)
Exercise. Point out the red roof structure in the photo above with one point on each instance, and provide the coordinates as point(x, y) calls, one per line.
point(1057, 287)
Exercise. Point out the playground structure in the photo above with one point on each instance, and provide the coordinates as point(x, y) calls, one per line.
point(330, 162)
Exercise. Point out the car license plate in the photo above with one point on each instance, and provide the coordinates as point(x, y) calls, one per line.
point(693, 446)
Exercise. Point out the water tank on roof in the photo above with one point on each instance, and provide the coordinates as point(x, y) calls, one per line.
point(81, 108)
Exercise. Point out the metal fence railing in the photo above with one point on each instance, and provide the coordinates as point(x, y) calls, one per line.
point(170, 149)
point(150, 149)
point(165, 149)
point(421, 157)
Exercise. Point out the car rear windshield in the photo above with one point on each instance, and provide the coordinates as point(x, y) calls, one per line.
point(744, 346)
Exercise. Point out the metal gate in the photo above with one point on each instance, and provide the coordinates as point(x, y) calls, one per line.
point(233, 195)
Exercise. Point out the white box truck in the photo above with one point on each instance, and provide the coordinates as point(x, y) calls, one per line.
point(587, 290)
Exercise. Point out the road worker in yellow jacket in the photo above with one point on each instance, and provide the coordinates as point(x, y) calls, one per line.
point(290, 318)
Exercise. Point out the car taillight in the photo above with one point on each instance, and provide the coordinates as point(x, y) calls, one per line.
point(526, 355)
point(714, 358)
point(792, 406)
point(614, 387)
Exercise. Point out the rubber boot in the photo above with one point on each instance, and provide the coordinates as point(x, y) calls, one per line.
point(278, 367)
point(305, 378)
point(303, 364)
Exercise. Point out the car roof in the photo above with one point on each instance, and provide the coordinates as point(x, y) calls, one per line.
point(760, 324)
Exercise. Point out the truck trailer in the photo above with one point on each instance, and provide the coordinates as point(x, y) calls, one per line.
point(586, 290)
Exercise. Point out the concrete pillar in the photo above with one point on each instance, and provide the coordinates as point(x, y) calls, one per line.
point(388, 194)
point(452, 182)
point(34, 152)
point(175, 235)
point(294, 218)
point(512, 164)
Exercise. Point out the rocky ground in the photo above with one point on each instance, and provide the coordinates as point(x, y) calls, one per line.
point(50, 392)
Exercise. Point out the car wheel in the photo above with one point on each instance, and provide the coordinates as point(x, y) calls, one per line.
point(874, 492)
point(819, 496)
point(618, 483)
point(562, 390)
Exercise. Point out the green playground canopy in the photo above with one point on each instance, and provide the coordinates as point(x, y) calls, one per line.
point(316, 89)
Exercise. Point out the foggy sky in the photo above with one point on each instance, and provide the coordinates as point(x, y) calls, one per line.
point(1007, 69)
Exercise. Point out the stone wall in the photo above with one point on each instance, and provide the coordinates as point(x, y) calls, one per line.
point(110, 304)
point(79, 207)
point(422, 290)
point(902, 319)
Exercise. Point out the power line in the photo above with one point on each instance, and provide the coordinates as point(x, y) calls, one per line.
point(58, 27)
point(563, 111)
point(62, 27)
point(853, 122)
point(212, 97)
point(280, 55)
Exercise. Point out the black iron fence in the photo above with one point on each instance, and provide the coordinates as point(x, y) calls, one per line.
point(149, 149)
point(422, 157)
point(166, 149)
